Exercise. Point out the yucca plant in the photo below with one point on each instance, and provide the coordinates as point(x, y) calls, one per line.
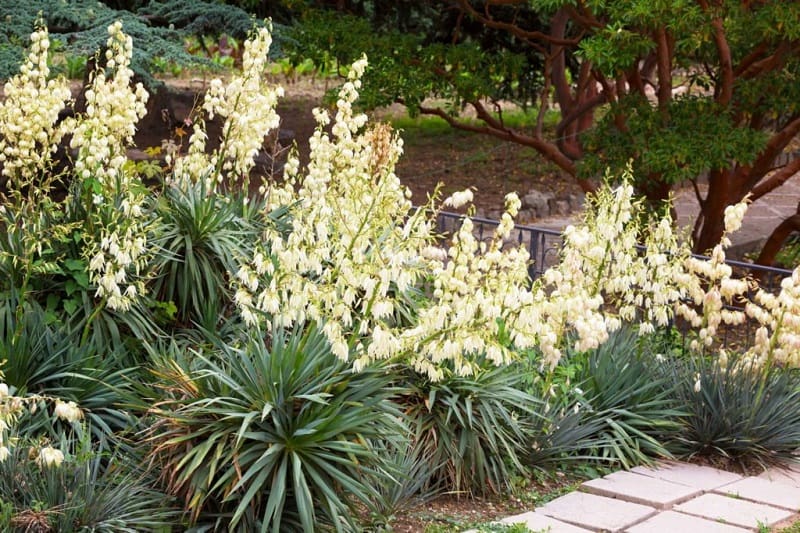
point(89, 491)
point(42, 265)
point(273, 434)
point(471, 429)
point(414, 469)
point(201, 236)
point(618, 408)
point(51, 361)
point(738, 410)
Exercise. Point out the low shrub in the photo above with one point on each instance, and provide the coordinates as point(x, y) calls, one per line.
point(201, 236)
point(736, 409)
point(275, 433)
point(471, 430)
point(413, 471)
point(43, 359)
point(616, 406)
point(84, 491)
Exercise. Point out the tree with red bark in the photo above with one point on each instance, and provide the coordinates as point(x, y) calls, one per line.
point(688, 90)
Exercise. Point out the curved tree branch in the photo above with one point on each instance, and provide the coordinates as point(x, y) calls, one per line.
point(772, 62)
point(580, 110)
point(512, 28)
point(724, 88)
point(664, 69)
point(750, 58)
point(558, 71)
point(775, 180)
point(777, 238)
point(491, 126)
point(775, 145)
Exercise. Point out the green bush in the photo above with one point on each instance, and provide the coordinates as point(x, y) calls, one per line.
point(89, 491)
point(44, 360)
point(201, 236)
point(616, 408)
point(471, 430)
point(412, 486)
point(274, 434)
point(738, 410)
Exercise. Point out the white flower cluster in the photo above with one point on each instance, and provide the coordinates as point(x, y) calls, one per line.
point(67, 411)
point(716, 297)
point(777, 338)
point(115, 257)
point(12, 408)
point(28, 116)
point(50, 457)
point(102, 135)
point(248, 105)
point(458, 199)
point(476, 291)
point(604, 278)
point(711, 288)
point(113, 108)
point(353, 251)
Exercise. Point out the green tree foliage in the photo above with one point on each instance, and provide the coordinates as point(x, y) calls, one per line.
point(158, 29)
point(683, 88)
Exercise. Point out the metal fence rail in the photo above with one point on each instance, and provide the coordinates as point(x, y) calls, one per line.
point(544, 244)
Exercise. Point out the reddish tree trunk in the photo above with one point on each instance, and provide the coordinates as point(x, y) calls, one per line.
point(712, 216)
point(777, 238)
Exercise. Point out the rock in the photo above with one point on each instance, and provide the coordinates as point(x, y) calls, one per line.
point(134, 154)
point(559, 207)
point(286, 136)
point(525, 215)
point(577, 201)
point(537, 200)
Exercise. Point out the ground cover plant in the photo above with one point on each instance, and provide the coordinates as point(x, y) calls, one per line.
point(268, 360)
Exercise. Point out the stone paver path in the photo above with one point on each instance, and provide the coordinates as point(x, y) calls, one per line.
point(762, 216)
point(671, 497)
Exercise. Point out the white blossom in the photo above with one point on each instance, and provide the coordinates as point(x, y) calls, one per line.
point(28, 116)
point(50, 457)
point(68, 411)
point(459, 199)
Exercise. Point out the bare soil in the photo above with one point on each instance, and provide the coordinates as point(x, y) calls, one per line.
point(451, 159)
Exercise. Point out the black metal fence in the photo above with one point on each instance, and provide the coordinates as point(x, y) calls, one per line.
point(544, 244)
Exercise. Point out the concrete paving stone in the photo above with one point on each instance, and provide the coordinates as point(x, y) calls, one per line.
point(733, 511)
point(764, 491)
point(639, 488)
point(695, 476)
point(540, 522)
point(670, 521)
point(596, 513)
point(788, 476)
